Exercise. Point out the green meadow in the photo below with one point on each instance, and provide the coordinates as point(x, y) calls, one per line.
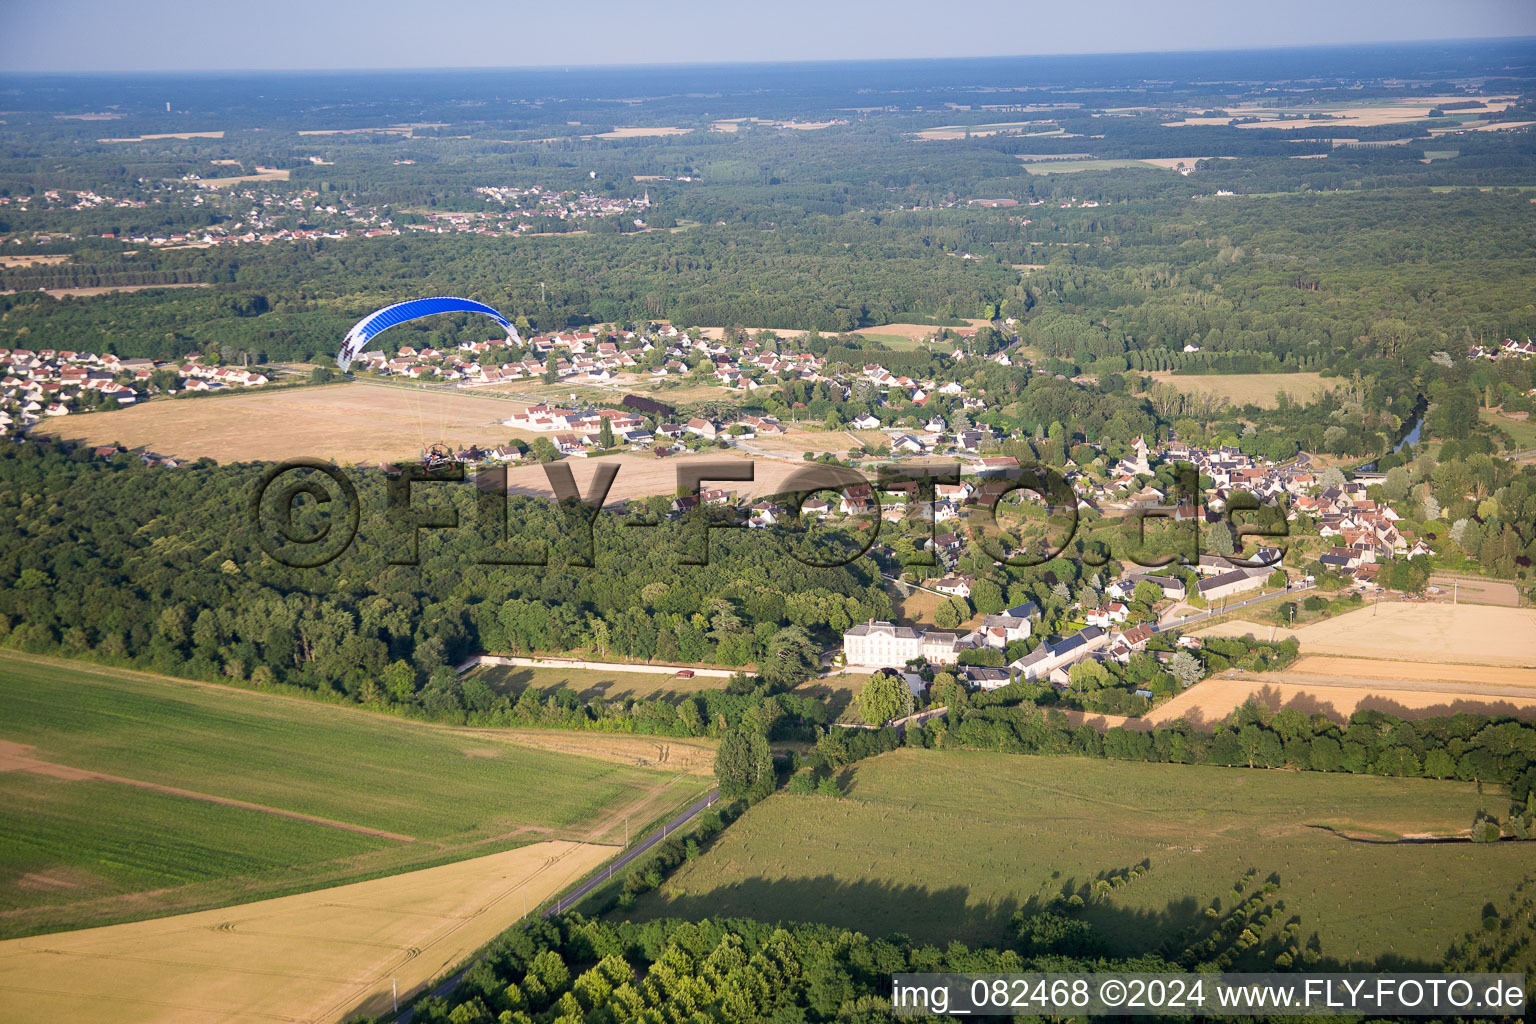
point(943, 845)
point(79, 851)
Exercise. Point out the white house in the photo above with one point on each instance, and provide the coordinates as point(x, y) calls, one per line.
point(881, 645)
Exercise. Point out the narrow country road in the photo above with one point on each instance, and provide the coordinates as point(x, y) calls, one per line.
point(1202, 616)
point(628, 856)
point(624, 859)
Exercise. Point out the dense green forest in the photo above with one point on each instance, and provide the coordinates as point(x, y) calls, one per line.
point(189, 590)
point(574, 968)
point(1296, 282)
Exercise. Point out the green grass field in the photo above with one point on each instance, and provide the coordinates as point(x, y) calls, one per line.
point(77, 851)
point(593, 683)
point(946, 845)
point(1069, 166)
point(1522, 430)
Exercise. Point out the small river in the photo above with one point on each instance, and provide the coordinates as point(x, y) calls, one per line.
point(1411, 437)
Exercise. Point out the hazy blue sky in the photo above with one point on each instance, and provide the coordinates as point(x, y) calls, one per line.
point(111, 35)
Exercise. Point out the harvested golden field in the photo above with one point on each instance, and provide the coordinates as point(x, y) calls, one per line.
point(639, 133)
point(1243, 388)
point(1490, 126)
point(1477, 591)
point(641, 476)
point(1175, 162)
point(357, 423)
point(1331, 666)
point(799, 441)
point(1214, 699)
point(717, 333)
point(951, 132)
point(318, 956)
point(267, 174)
point(591, 683)
point(93, 290)
point(168, 135)
point(8, 262)
point(676, 394)
point(664, 753)
point(1342, 115)
point(1414, 632)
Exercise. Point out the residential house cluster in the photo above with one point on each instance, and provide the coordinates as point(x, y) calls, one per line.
point(51, 383)
point(1508, 349)
point(1053, 662)
point(1228, 468)
point(1364, 531)
point(576, 431)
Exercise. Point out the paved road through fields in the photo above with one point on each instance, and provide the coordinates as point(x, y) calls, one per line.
point(1302, 588)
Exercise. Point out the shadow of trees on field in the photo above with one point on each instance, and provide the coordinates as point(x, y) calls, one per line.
point(872, 907)
point(511, 681)
point(1317, 704)
point(837, 698)
point(942, 914)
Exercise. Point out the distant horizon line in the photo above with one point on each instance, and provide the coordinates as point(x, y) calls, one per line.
point(567, 67)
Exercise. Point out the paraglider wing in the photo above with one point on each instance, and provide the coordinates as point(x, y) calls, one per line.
point(370, 326)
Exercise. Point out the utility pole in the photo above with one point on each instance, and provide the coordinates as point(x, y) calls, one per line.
point(394, 991)
point(541, 293)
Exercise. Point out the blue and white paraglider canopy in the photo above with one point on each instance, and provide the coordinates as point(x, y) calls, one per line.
point(370, 326)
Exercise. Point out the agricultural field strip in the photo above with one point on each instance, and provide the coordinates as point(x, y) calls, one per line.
point(1386, 688)
point(1479, 635)
point(332, 952)
point(1415, 674)
point(17, 757)
point(203, 745)
point(483, 790)
point(1066, 818)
